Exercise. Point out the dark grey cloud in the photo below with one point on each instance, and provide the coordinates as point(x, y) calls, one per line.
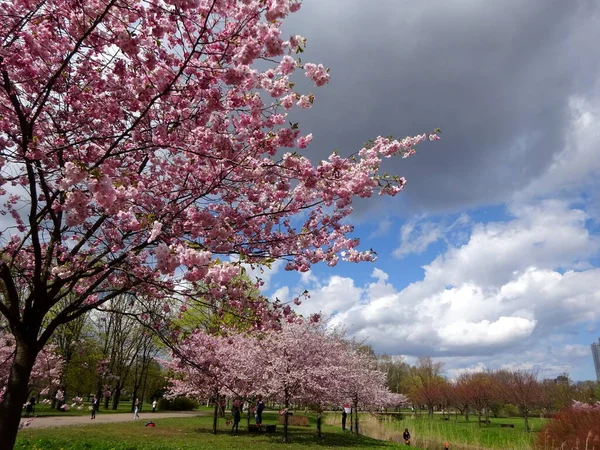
point(495, 76)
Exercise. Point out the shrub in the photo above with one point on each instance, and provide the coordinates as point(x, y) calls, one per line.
point(511, 410)
point(575, 427)
point(177, 404)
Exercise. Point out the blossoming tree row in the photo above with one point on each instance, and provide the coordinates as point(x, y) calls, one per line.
point(297, 364)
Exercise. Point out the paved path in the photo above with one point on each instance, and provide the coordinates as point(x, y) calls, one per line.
point(65, 421)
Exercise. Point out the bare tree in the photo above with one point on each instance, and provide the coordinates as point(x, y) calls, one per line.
point(521, 388)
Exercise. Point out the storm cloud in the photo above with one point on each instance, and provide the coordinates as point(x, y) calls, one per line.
point(496, 77)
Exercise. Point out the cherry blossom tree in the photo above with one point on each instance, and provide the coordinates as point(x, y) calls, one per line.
point(139, 144)
point(212, 366)
point(300, 364)
point(363, 385)
point(46, 370)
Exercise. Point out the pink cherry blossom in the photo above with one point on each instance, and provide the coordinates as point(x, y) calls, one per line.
point(146, 157)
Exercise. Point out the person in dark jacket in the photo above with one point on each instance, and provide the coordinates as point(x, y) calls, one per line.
point(406, 436)
point(236, 412)
point(94, 407)
point(260, 406)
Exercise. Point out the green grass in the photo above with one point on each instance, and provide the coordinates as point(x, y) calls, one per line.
point(190, 433)
point(433, 432)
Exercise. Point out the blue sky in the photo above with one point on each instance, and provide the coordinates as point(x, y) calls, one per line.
point(490, 257)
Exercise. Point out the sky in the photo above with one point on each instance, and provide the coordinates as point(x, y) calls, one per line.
point(490, 256)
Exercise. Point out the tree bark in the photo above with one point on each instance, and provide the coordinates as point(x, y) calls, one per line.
point(16, 393)
point(216, 414)
point(356, 417)
point(117, 396)
point(285, 420)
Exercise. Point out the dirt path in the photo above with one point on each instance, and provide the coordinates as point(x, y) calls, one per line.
point(65, 421)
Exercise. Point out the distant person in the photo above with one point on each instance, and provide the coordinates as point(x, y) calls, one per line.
point(236, 412)
point(94, 407)
point(406, 436)
point(154, 405)
point(222, 405)
point(260, 406)
point(28, 409)
point(345, 412)
point(136, 409)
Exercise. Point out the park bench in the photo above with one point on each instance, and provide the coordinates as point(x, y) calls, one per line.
point(252, 428)
point(507, 425)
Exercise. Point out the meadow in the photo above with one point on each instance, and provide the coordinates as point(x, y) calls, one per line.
point(378, 432)
point(191, 433)
point(431, 433)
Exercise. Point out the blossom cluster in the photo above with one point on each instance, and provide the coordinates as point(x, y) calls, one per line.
point(298, 363)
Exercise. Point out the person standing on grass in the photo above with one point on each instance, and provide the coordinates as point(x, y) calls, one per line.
point(260, 406)
point(154, 405)
point(344, 416)
point(136, 409)
point(236, 412)
point(406, 436)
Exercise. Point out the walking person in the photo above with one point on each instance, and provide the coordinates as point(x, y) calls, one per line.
point(136, 409)
point(94, 407)
point(154, 405)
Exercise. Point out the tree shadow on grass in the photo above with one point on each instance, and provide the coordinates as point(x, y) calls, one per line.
point(304, 436)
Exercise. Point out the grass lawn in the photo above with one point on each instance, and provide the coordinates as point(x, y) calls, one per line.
point(433, 432)
point(190, 433)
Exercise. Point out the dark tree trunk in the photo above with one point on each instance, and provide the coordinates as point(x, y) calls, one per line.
point(286, 420)
point(134, 395)
point(216, 414)
point(356, 417)
point(319, 419)
point(117, 396)
point(526, 417)
point(16, 393)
